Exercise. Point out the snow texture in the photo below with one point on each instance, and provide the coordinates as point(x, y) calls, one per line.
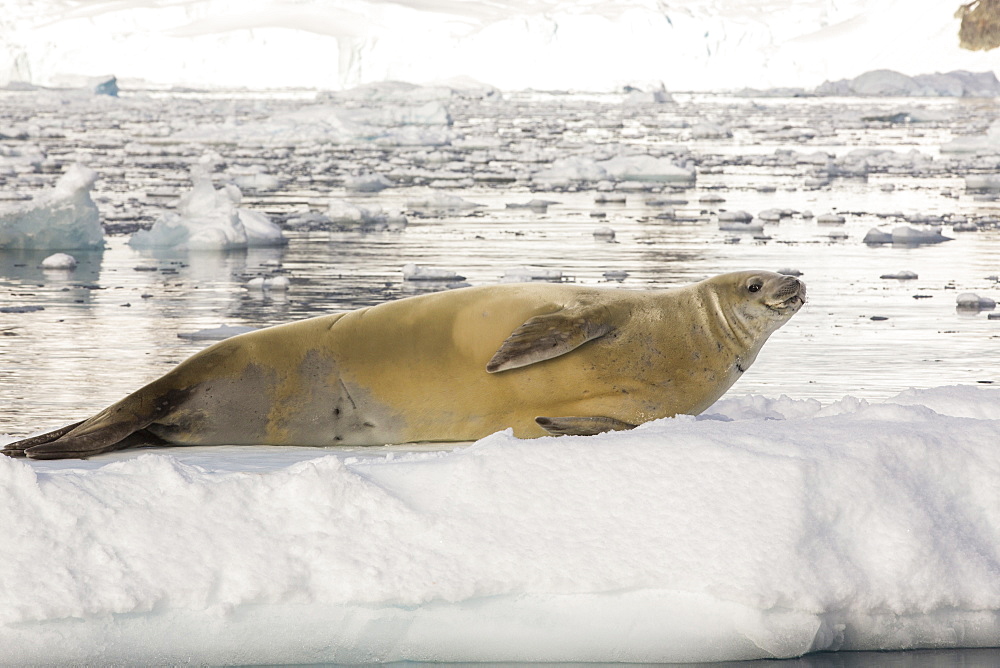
point(769, 527)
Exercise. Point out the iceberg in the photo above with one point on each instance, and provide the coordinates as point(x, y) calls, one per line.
point(61, 218)
point(209, 219)
point(889, 83)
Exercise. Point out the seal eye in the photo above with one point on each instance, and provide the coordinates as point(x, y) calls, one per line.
point(754, 287)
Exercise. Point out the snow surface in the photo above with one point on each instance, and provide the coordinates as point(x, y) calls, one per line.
point(512, 44)
point(767, 527)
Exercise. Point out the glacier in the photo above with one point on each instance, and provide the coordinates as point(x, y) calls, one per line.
point(512, 44)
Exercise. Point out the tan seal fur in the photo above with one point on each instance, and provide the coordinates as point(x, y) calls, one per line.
point(454, 366)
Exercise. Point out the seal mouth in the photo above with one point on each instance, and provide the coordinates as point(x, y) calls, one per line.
point(790, 297)
point(792, 303)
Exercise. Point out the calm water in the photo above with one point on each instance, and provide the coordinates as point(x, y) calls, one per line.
point(113, 323)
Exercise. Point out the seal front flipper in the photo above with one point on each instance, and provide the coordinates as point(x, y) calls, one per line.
point(550, 335)
point(581, 426)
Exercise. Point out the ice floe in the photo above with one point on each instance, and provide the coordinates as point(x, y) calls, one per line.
point(769, 527)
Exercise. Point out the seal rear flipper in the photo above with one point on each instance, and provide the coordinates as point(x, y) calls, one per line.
point(17, 448)
point(550, 335)
point(581, 426)
point(103, 439)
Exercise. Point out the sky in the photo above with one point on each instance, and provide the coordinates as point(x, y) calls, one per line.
point(594, 45)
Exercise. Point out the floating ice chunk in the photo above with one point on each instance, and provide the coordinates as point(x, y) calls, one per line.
point(530, 274)
point(611, 198)
point(708, 130)
point(972, 301)
point(982, 181)
point(739, 221)
point(904, 275)
point(903, 234)
point(267, 283)
point(63, 217)
point(277, 283)
point(59, 261)
point(774, 215)
point(367, 183)
point(789, 272)
point(259, 229)
point(568, 171)
point(636, 96)
point(442, 202)
point(106, 86)
point(604, 234)
point(20, 309)
point(255, 179)
point(830, 219)
point(342, 211)
point(988, 143)
point(415, 272)
point(216, 333)
point(618, 275)
point(538, 205)
point(209, 219)
point(647, 168)
point(877, 236)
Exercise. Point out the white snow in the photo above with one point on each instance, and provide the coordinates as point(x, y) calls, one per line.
point(561, 44)
point(209, 219)
point(769, 527)
point(62, 217)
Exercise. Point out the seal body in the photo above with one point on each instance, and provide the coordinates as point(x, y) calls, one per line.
point(454, 366)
